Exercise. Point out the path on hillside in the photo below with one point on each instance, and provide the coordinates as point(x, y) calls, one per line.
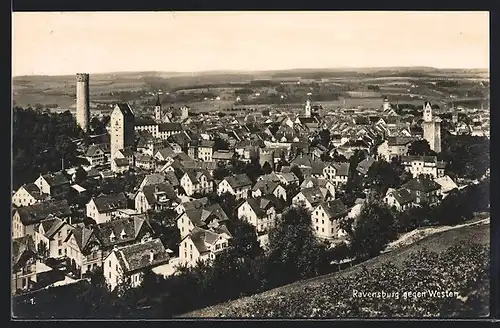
point(420, 233)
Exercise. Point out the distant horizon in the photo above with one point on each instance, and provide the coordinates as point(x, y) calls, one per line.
point(236, 71)
point(63, 43)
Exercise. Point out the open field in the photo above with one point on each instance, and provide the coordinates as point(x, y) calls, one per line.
point(479, 234)
point(114, 87)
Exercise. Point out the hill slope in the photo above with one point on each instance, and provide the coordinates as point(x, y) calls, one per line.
point(276, 302)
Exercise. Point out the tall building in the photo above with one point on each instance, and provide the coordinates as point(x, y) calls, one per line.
point(82, 101)
point(158, 109)
point(122, 128)
point(432, 128)
point(308, 108)
point(184, 112)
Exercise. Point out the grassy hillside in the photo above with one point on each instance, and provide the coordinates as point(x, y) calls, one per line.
point(318, 291)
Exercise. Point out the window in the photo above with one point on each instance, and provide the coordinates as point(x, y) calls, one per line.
point(322, 221)
point(60, 251)
point(116, 268)
point(322, 229)
point(109, 264)
point(316, 220)
point(59, 242)
point(317, 228)
point(332, 230)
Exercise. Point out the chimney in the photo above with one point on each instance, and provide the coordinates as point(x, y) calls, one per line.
point(151, 256)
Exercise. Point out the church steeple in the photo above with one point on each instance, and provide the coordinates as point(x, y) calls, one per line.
point(158, 103)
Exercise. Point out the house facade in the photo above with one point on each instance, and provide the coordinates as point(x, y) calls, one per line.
point(238, 185)
point(326, 219)
point(132, 261)
point(202, 245)
point(102, 208)
point(196, 181)
point(426, 165)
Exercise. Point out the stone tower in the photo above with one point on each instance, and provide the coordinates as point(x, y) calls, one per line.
point(122, 128)
point(158, 109)
point(82, 101)
point(432, 128)
point(308, 108)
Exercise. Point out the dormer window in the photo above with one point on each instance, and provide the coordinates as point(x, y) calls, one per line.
point(112, 237)
point(123, 234)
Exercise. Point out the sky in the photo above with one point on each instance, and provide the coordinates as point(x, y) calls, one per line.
point(60, 43)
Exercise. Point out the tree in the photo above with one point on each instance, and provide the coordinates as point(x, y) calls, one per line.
point(226, 200)
point(80, 175)
point(244, 242)
point(221, 172)
point(296, 170)
point(266, 168)
point(220, 144)
point(253, 170)
point(373, 230)
point(381, 176)
point(324, 137)
point(420, 148)
point(293, 248)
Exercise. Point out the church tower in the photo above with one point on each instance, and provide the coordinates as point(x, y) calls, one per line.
point(432, 128)
point(386, 104)
point(158, 109)
point(308, 108)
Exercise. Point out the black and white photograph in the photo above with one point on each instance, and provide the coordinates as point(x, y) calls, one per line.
point(172, 165)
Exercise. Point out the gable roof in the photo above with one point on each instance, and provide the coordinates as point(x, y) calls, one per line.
point(21, 246)
point(422, 184)
point(314, 195)
point(136, 257)
point(55, 179)
point(152, 179)
point(125, 109)
point(238, 181)
point(169, 127)
point(92, 150)
point(196, 203)
point(335, 208)
point(131, 226)
point(202, 237)
point(222, 155)
point(33, 190)
point(166, 152)
point(265, 186)
point(152, 190)
point(261, 204)
point(202, 216)
point(341, 168)
point(82, 236)
point(109, 203)
point(52, 226)
point(403, 196)
point(37, 212)
point(446, 183)
point(399, 141)
point(365, 165)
